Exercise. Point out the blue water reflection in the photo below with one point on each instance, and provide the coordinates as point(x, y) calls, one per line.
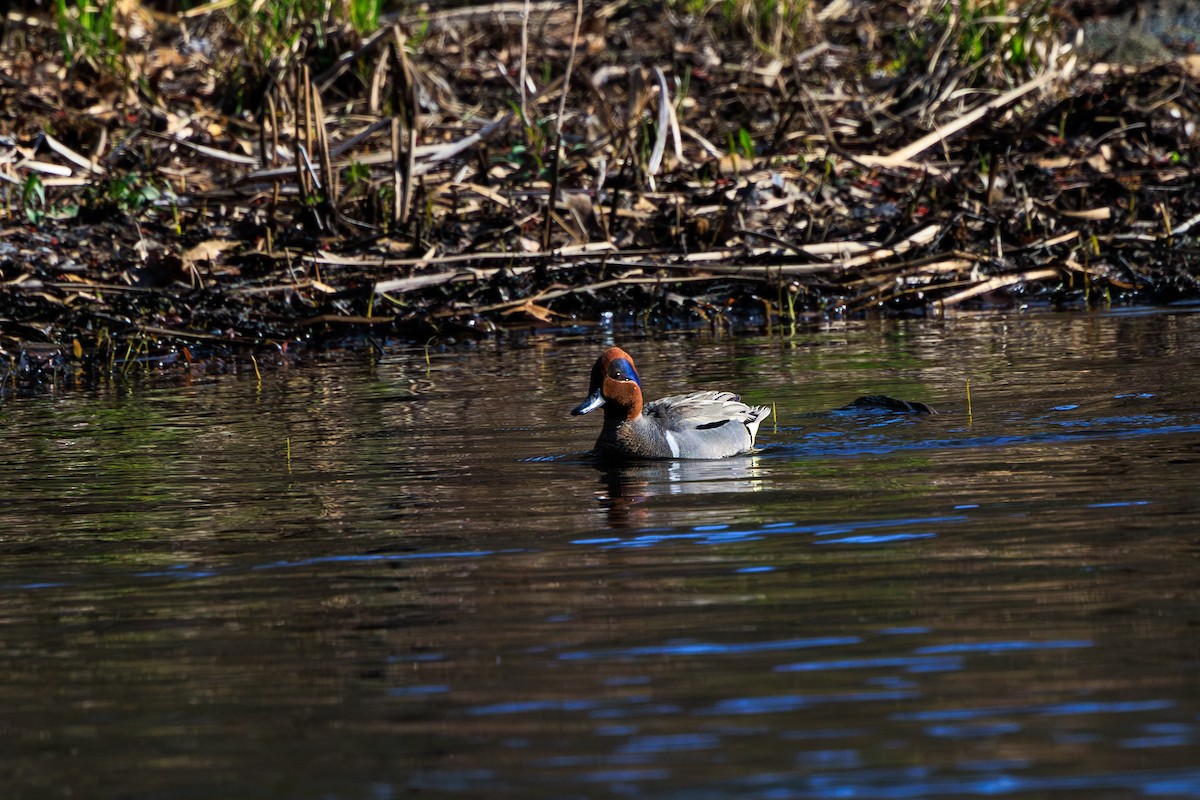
point(691, 648)
point(839, 533)
point(907, 663)
point(1053, 709)
point(375, 580)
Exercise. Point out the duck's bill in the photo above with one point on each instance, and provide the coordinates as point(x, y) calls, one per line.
point(594, 401)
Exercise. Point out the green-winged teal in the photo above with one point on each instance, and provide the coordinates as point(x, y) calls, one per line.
point(697, 425)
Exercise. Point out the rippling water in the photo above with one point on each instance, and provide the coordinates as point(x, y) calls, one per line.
point(392, 578)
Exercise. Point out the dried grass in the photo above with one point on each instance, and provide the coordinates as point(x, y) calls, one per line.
point(515, 165)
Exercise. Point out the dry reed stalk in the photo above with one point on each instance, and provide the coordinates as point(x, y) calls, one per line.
point(664, 123)
point(906, 154)
point(998, 282)
point(406, 108)
point(629, 279)
point(558, 125)
point(80, 161)
point(304, 145)
point(398, 182)
point(523, 76)
point(329, 196)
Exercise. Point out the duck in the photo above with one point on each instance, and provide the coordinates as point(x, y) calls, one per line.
point(699, 425)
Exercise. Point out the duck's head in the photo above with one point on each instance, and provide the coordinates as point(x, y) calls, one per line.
point(615, 386)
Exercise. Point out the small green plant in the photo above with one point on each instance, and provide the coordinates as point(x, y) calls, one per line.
point(773, 26)
point(357, 174)
point(87, 31)
point(38, 207)
point(132, 194)
point(527, 161)
point(356, 180)
point(364, 15)
point(984, 29)
point(975, 43)
point(742, 145)
point(416, 37)
point(33, 199)
point(529, 156)
point(681, 91)
point(274, 27)
point(275, 30)
point(977, 33)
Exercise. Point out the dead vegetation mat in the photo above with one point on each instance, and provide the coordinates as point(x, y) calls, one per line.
point(432, 179)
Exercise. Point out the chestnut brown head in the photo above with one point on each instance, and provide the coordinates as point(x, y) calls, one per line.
point(615, 386)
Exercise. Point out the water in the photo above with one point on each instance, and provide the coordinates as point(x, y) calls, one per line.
point(382, 579)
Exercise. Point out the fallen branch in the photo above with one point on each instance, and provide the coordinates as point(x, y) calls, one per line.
point(906, 154)
point(998, 282)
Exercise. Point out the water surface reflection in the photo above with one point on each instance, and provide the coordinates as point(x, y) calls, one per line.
point(383, 578)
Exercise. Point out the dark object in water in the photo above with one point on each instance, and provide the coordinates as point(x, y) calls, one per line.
point(881, 402)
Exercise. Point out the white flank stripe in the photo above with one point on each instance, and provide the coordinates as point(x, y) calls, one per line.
point(674, 445)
